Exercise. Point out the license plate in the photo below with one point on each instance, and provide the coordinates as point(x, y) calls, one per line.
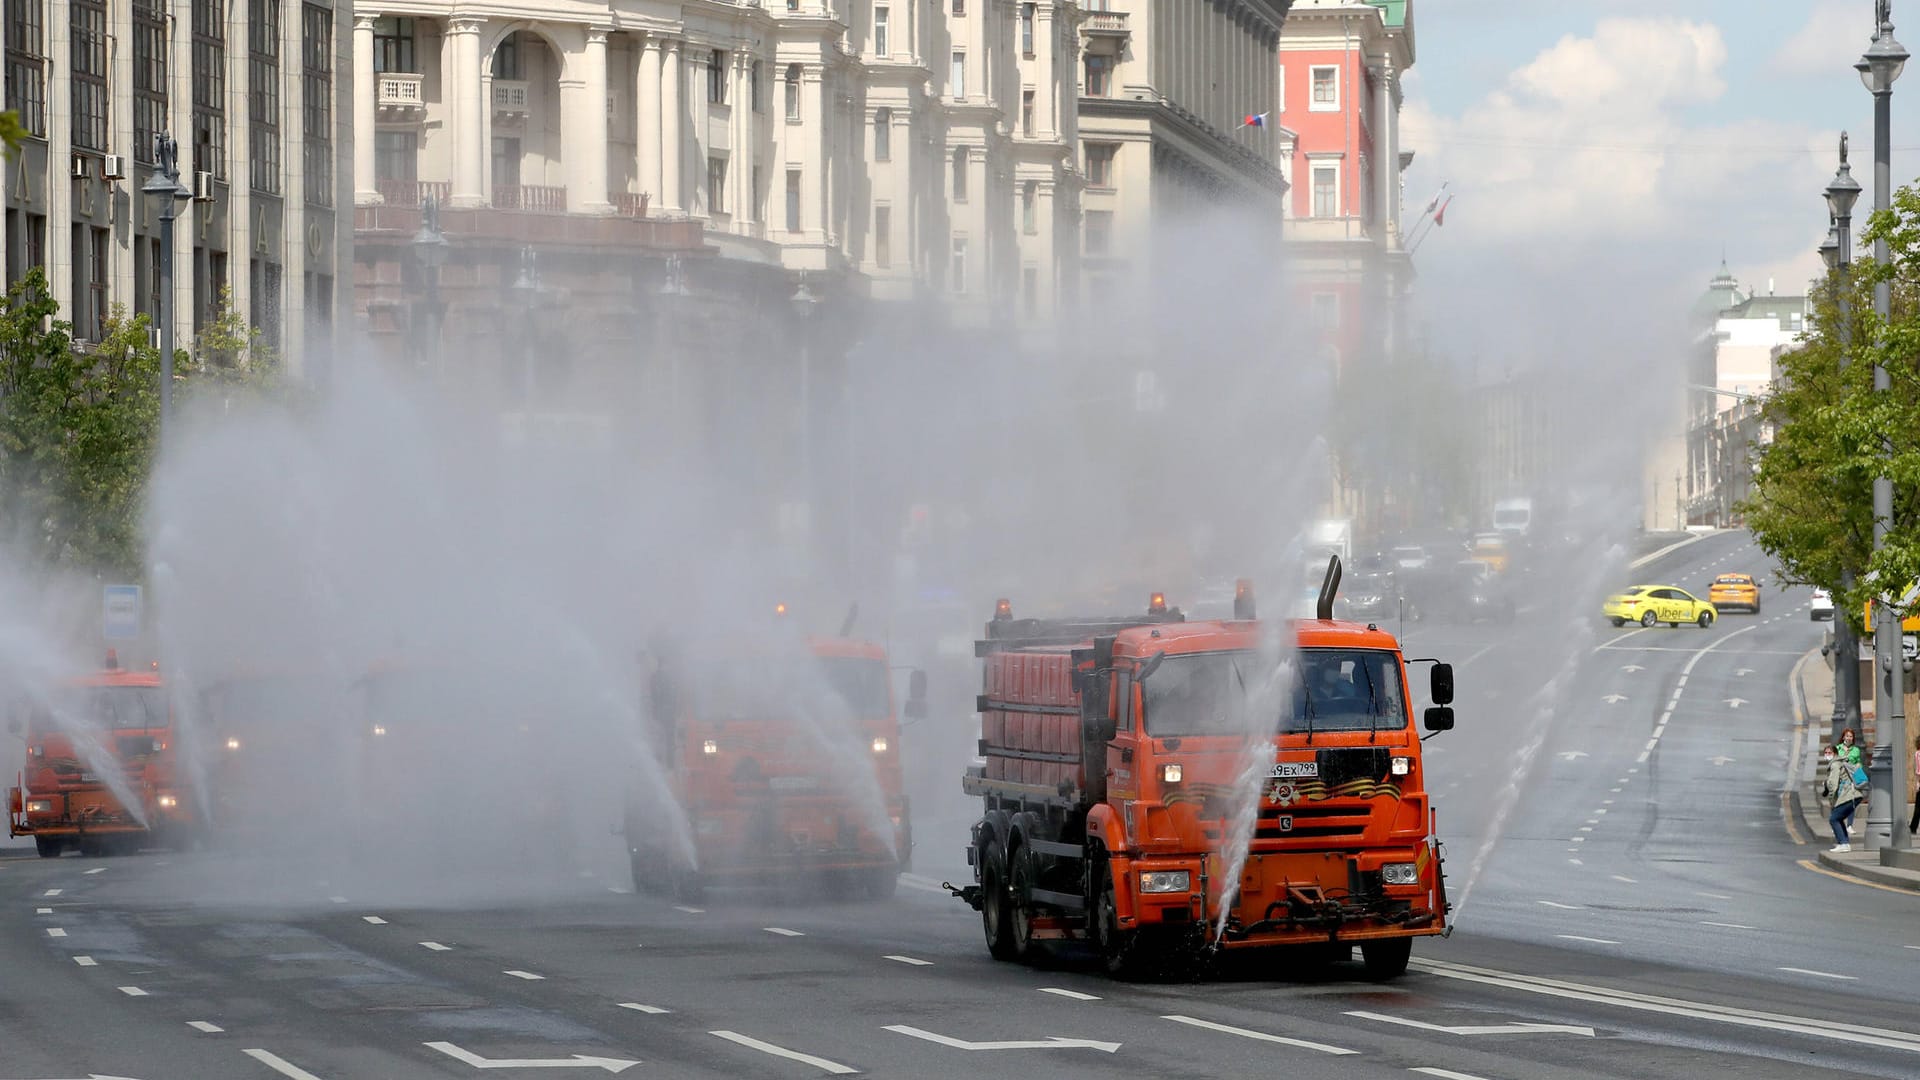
point(89, 778)
point(1295, 770)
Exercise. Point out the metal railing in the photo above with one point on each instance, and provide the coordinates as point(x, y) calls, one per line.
point(400, 90)
point(535, 198)
point(1105, 22)
point(413, 192)
point(629, 205)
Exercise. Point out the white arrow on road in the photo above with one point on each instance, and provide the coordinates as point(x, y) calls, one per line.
point(1721, 760)
point(1488, 1029)
point(1737, 702)
point(1051, 1042)
point(1631, 667)
point(577, 1061)
point(1569, 755)
point(1614, 699)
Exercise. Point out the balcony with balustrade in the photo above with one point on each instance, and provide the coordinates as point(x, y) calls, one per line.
point(1106, 24)
point(400, 96)
point(511, 99)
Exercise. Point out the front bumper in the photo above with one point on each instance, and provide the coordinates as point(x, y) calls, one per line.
point(1288, 898)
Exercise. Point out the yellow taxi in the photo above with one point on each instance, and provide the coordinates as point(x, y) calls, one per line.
point(1734, 590)
point(1650, 604)
point(1490, 548)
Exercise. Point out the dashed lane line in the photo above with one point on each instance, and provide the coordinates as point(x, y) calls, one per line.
point(527, 975)
point(690, 910)
point(133, 991)
point(435, 946)
point(1074, 994)
point(1728, 925)
point(374, 919)
point(279, 1064)
point(51, 892)
point(913, 961)
point(782, 931)
point(1261, 1036)
point(1589, 940)
point(1444, 1074)
point(95, 870)
point(54, 931)
point(43, 911)
point(650, 1010)
point(1563, 907)
point(202, 1025)
point(86, 961)
point(1624, 878)
point(1714, 895)
point(820, 1063)
point(1821, 974)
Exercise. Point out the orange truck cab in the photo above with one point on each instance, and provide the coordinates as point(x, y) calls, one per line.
point(1164, 788)
point(101, 772)
point(786, 769)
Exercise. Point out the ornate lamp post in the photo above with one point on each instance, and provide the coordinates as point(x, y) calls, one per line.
point(164, 185)
point(430, 248)
point(1837, 252)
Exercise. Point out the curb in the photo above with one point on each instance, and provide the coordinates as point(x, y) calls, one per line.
point(1869, 873)
point(1694, 539)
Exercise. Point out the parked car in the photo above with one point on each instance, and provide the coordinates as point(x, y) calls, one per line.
point(1822, 605)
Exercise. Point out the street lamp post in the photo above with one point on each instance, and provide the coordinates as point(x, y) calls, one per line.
point(165, 186)
point(1878, 69)
point(430, 247)
point(1837, 252)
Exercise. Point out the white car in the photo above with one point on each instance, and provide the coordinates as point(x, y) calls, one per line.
point(1822, 605)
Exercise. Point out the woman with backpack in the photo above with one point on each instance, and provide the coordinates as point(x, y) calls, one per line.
point(1846, 786)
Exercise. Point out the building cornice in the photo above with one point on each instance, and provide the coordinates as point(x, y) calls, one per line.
point(1249, 165)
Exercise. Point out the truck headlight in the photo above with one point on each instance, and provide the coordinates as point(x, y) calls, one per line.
point(1400, 873)
point(1164, 881)
point(709, 747)
point(233, 744)
point(168, 802)
point(1171, 774)
point(880, 745)
point(1402, 766)
point(39, 806)
point(379, 729)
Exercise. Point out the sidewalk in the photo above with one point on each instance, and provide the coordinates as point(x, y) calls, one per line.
point(1811, 687)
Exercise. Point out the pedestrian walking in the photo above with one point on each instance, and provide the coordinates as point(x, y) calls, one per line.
point(1843, 786)
point(1848, 747)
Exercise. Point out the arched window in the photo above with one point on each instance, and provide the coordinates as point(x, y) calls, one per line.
point(793, 91)
point(883, 135)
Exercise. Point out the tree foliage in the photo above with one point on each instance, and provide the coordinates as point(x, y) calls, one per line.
point(1812, 501)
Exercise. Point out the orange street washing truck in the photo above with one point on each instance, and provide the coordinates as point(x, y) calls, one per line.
point(786, 767)
point(1116, 755)
point(101, 773)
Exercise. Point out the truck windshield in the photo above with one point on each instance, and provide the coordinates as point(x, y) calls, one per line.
point(108, 708)
point(1338, 690)
point(861, 682)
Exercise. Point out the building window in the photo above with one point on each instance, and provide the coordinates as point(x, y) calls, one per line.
point(506, 58)
point(883, 236)
point(89, 75)
point(716, 185)
point(99, 252)
point(793, 5)
point(1029, 199)
point(881, 44)
point(1100, 164)
point(1326, 191)
point(1326, 90)
point(263, 95)
point(393, 45)
point(146, 274)
point(149, 76)
point(1099, 76)
point(210, 87)
point(26, 243)
point(1026, 113)
point(756, 75)
point(959, 7)
point(793, 200)
point(793, 92)
point(1099, 230)
point(957, 80)
point(717, 77)
point(396, 165)
point(958, 270)
point(266, 307)
point(1026, 29)
point(961, 155)
point(27, 64)
point(883, 135)
point(1326, 311)
point(316, 108)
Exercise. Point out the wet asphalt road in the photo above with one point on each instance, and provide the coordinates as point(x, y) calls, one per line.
point(1632, 904)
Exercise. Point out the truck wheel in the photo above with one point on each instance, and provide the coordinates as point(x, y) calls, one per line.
point(49, 847)
point(687, 886)
point(644, 865)
point(883, 883)
point(1119, 949)
point(1021, 924)
point(995, 916)
point(1386, 959)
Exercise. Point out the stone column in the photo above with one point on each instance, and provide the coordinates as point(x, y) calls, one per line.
point(647, 100)
point(813, 177)
point(1044, 93)
point(586, 101)
point(1383, 165)
point(463, 90)
point(672, 129)
point(744, 202)
point(366, 189)
point(1391, 125)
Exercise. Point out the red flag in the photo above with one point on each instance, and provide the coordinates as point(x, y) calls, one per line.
point(1441, 217)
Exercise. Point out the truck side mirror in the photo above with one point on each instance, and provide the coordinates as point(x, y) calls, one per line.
point(916, 706)
point(1440, 718)
point(1442, 688)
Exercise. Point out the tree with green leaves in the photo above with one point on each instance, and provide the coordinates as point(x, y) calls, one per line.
point(1812, 501)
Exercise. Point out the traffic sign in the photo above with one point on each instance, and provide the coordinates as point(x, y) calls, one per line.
point(120, 612)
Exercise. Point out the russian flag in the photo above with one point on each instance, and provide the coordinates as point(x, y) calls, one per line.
point(1255, 121)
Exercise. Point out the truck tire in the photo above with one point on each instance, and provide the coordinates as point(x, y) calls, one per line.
point(1387, 958)
point(644, 865)
point(1020, 886)
point(688, 888)
point(996, 915)
point(49, 847)
point(883, 883)
point(1119, 949)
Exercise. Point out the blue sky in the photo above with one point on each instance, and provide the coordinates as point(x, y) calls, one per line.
point(1617, 146)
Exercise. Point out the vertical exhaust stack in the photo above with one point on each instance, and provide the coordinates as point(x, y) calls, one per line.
point(1329, 589)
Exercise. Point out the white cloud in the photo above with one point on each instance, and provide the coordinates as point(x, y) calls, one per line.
point(1835, 34)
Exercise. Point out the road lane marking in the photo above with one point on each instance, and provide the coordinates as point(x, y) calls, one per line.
point(1575, 862)
point(95, 870)
point(375, 920)
point(650, 1010)
point(1051, 1042)
point(782, 931)
point(86, 961)
point(820, 1063)
point(1563, 907)
point(337, 899)
point(527, 975)
point(1477, 1029)
point(689, 910)
point(279, 1064)
point(1625, 878)
point(1825, 1028)
point(1714, 895)
point(43, 911)
point(915, 961)
point(1445, 1074)
point(51, 892)
point(435, 946)
point(577, 1061)
point(202, 1025)
point(54, 931)
point(1262, 1036)
point(1654, 743)
point(133, 991)
point(1592, 940)
point(1821, 974)
point(1729, 925)
point(1074, 994)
